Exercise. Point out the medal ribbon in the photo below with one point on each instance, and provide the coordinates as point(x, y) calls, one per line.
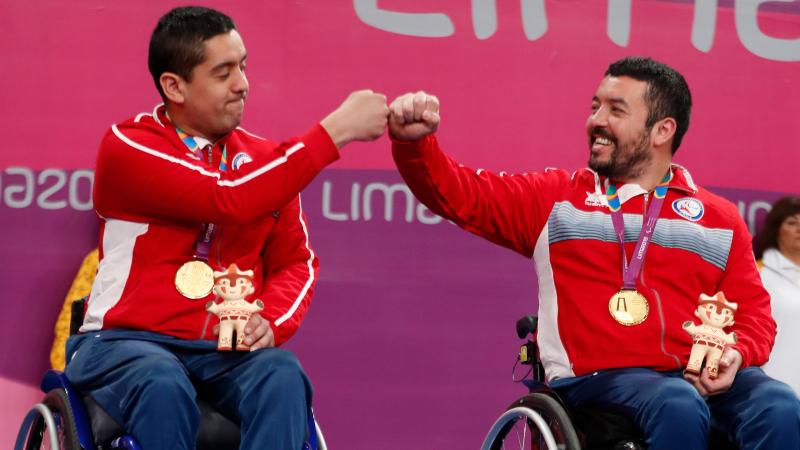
point(631, 271)
point(203, 244)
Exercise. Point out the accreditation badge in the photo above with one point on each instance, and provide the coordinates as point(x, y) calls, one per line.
point(194, 280)
point(628, 307)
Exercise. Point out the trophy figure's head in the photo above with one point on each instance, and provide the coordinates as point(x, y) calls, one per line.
point(233, 284)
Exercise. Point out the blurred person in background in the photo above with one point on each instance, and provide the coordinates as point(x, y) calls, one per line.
point(779, 260)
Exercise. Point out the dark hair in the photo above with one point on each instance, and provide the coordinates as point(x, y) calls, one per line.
point(667, 93)
point(176, 44)
point(783, 208)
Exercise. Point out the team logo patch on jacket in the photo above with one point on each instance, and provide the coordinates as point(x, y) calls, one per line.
point(239, 160)
point(689, 208)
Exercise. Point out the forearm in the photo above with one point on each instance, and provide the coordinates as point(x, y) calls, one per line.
point(503, 209)
point(137, 183)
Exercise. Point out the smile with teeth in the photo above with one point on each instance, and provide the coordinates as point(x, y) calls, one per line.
point(602, 141)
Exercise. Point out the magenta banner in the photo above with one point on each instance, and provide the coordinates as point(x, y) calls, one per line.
point(409, 340)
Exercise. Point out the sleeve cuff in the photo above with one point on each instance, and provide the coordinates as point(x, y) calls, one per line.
point(745, 357)
point(412, 148)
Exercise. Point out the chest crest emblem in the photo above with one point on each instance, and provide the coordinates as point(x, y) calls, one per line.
point(689, 208)
point(240, 159)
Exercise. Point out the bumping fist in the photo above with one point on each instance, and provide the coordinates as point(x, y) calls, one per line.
point(414, 116)
point(362, 117)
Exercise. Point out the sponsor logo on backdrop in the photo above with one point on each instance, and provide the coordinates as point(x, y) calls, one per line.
point(618, 25)
point(359, 202)
point(48, 189)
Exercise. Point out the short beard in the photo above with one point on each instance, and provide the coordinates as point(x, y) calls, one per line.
point(621, 166)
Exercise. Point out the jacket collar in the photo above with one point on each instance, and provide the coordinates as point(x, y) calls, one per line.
point(162, 118)
point(681, 181)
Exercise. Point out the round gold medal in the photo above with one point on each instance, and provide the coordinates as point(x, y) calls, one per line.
point(628, 307)
point(194, 280)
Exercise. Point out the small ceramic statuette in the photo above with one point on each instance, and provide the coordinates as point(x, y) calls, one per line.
point(709, 339)
point(233, 286)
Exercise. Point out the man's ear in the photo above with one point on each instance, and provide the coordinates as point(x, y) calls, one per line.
point(173, 86)
point(663, 131)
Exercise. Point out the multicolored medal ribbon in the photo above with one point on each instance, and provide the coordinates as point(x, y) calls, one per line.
point(628, 307)
point(195, 279)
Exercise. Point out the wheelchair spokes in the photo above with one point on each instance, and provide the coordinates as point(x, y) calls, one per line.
point(45, 434)
point(41, 437)
point(49, 425)
point(530, 437)
point(535, 422)
point(521, 440)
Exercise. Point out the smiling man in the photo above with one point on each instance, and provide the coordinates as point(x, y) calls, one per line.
point(610, 326)
point(183, 191)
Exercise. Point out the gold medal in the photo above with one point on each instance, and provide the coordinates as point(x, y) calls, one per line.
point(628, 307)
point(194, 279)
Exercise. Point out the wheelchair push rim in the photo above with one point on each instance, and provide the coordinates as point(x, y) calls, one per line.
point(51, 425)
point(536, 422)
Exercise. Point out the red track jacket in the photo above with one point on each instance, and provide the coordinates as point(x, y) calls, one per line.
point(700, 245)
point(153, 195)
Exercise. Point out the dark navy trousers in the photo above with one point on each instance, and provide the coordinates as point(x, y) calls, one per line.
point(149, 382)
point(757, 412)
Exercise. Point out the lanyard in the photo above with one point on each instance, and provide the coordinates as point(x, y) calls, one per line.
point(203, 244)
point(631, 271)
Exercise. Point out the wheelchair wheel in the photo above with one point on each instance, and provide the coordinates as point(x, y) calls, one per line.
point(321, 444)
point(536, 422)
point(39, 436)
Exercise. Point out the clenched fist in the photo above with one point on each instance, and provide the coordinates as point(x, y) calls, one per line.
point(362, 117)
point(413, 116)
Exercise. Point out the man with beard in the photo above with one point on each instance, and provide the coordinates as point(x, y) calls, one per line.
point(610, 327)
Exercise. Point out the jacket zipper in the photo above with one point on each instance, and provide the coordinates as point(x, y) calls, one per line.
point(662, 340)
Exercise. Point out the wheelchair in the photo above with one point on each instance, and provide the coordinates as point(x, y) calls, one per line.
point(68, 420)
point(541, 421)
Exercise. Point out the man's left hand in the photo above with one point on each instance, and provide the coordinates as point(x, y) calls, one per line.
point(729, 365)
point(257, 333)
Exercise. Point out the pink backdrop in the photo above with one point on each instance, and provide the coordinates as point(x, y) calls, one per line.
point(410, 339)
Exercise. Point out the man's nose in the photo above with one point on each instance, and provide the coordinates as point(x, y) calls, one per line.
point(240, 84)
point(599, 118)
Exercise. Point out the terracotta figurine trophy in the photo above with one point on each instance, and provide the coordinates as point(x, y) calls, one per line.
point(233, 286)
point(709, 338)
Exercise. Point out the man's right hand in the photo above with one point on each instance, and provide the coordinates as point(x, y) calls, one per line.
point(362, 117)
point(414, 116)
